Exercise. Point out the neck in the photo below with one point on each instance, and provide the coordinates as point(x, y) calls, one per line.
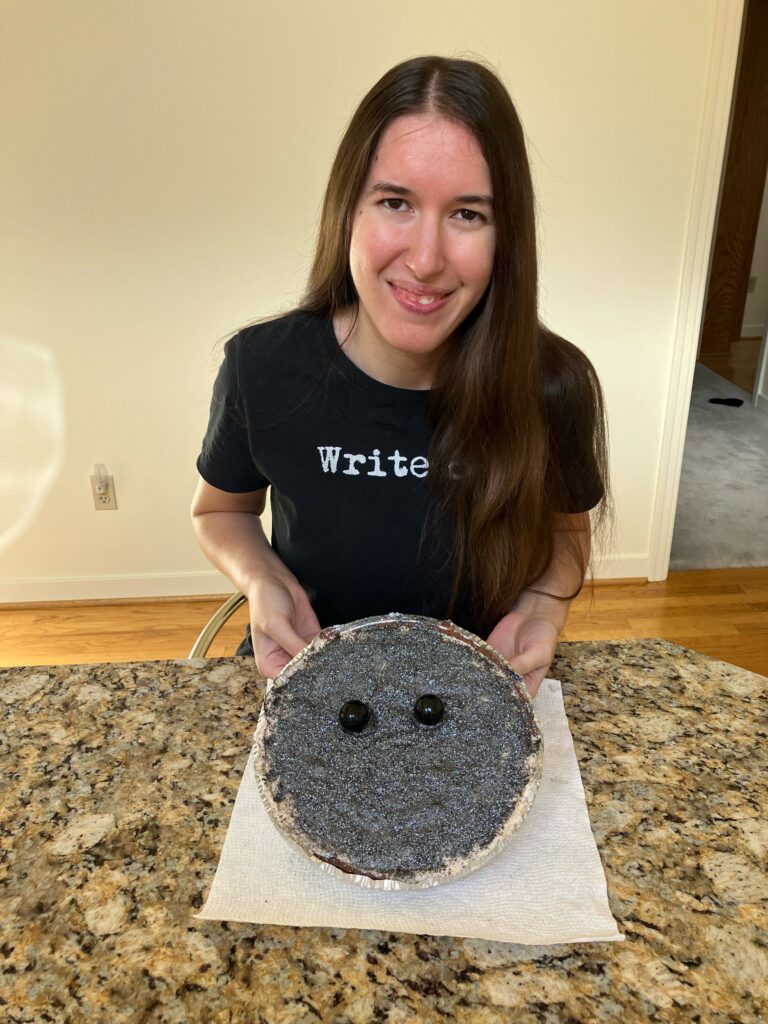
point(413, 371)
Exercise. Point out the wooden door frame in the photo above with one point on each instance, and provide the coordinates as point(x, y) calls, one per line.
point(758, 400)
point(729, 17)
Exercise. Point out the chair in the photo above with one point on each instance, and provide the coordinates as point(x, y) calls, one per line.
point(214, 624)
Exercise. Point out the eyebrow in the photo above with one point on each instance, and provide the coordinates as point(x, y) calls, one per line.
point(401, 190)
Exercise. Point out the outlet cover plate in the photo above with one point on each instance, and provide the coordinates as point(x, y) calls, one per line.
point(104, 502)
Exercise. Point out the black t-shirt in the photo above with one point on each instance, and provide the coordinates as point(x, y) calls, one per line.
point(346, 458)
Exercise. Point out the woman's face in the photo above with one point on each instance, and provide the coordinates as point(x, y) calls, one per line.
point(422, 245)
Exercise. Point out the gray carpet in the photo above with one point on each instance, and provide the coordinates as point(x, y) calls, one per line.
point(722, 508)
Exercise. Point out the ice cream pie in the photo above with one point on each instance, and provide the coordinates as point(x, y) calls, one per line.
point(400, 751)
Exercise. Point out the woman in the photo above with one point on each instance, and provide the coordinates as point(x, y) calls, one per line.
point(431, 448)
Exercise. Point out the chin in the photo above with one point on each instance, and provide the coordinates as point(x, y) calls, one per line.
point(418, 350)
point(416, 339)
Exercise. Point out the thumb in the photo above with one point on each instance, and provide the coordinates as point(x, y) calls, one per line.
point(282, 632)
point(536, 656)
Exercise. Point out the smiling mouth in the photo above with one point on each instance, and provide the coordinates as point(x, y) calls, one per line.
point(418, 301)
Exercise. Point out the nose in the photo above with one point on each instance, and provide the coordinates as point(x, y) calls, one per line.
point(426, 250)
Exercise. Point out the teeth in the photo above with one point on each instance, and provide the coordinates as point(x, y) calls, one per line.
point(422, 300)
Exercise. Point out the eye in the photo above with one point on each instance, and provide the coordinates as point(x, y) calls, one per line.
point(395, 204)
point(354, 716)
point(429, 709)
point(470, 216)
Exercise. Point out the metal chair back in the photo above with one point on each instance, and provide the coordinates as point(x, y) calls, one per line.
point(214, 624)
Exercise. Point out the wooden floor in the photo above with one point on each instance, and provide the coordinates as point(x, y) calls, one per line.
point(721, 612)
point(739, 366)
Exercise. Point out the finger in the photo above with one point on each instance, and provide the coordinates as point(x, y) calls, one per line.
point(307, 622)
point(282, 632)
point(309, 626)
point(504, 635)
point(537, 656)
point(270, 659)
point(534, 680)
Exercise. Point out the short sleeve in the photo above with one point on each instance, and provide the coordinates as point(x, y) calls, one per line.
point(576, 431)
point(225, 459)
point(583, 487)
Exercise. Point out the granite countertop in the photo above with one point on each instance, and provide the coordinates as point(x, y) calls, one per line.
point(118, 782)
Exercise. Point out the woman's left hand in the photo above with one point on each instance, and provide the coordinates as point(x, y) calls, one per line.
point(527, 641)
point(527, 635)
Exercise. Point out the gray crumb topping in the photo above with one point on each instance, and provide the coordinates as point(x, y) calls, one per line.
point(399, 797)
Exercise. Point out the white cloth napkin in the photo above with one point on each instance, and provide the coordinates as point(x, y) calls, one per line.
point(545, 886)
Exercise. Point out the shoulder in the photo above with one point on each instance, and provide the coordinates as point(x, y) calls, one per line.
point(295, 335)
point(268, 364)
point(569, 383)
point(573, 407)
point(561, 361)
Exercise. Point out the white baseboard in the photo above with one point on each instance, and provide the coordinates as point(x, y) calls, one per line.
point(622, 567)
point(94, 588)
point(192, 584)
point(752, 330)
point(762, 402)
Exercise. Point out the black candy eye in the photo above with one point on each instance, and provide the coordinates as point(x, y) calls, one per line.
point(354, 716)
point(429, 709)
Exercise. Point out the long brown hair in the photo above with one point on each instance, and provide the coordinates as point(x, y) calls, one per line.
point(512, 402)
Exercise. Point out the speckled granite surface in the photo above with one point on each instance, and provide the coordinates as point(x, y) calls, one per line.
point(117, 786)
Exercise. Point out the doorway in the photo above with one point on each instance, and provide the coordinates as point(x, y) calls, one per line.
point(732, 344)
point(721, 516)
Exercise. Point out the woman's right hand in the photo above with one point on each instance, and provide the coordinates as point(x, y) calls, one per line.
point(283, 622)
point(229, 531)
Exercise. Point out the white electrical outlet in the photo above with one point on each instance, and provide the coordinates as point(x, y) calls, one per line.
point(103, 490)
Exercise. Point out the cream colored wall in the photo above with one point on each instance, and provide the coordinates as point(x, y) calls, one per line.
point(163, 166)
